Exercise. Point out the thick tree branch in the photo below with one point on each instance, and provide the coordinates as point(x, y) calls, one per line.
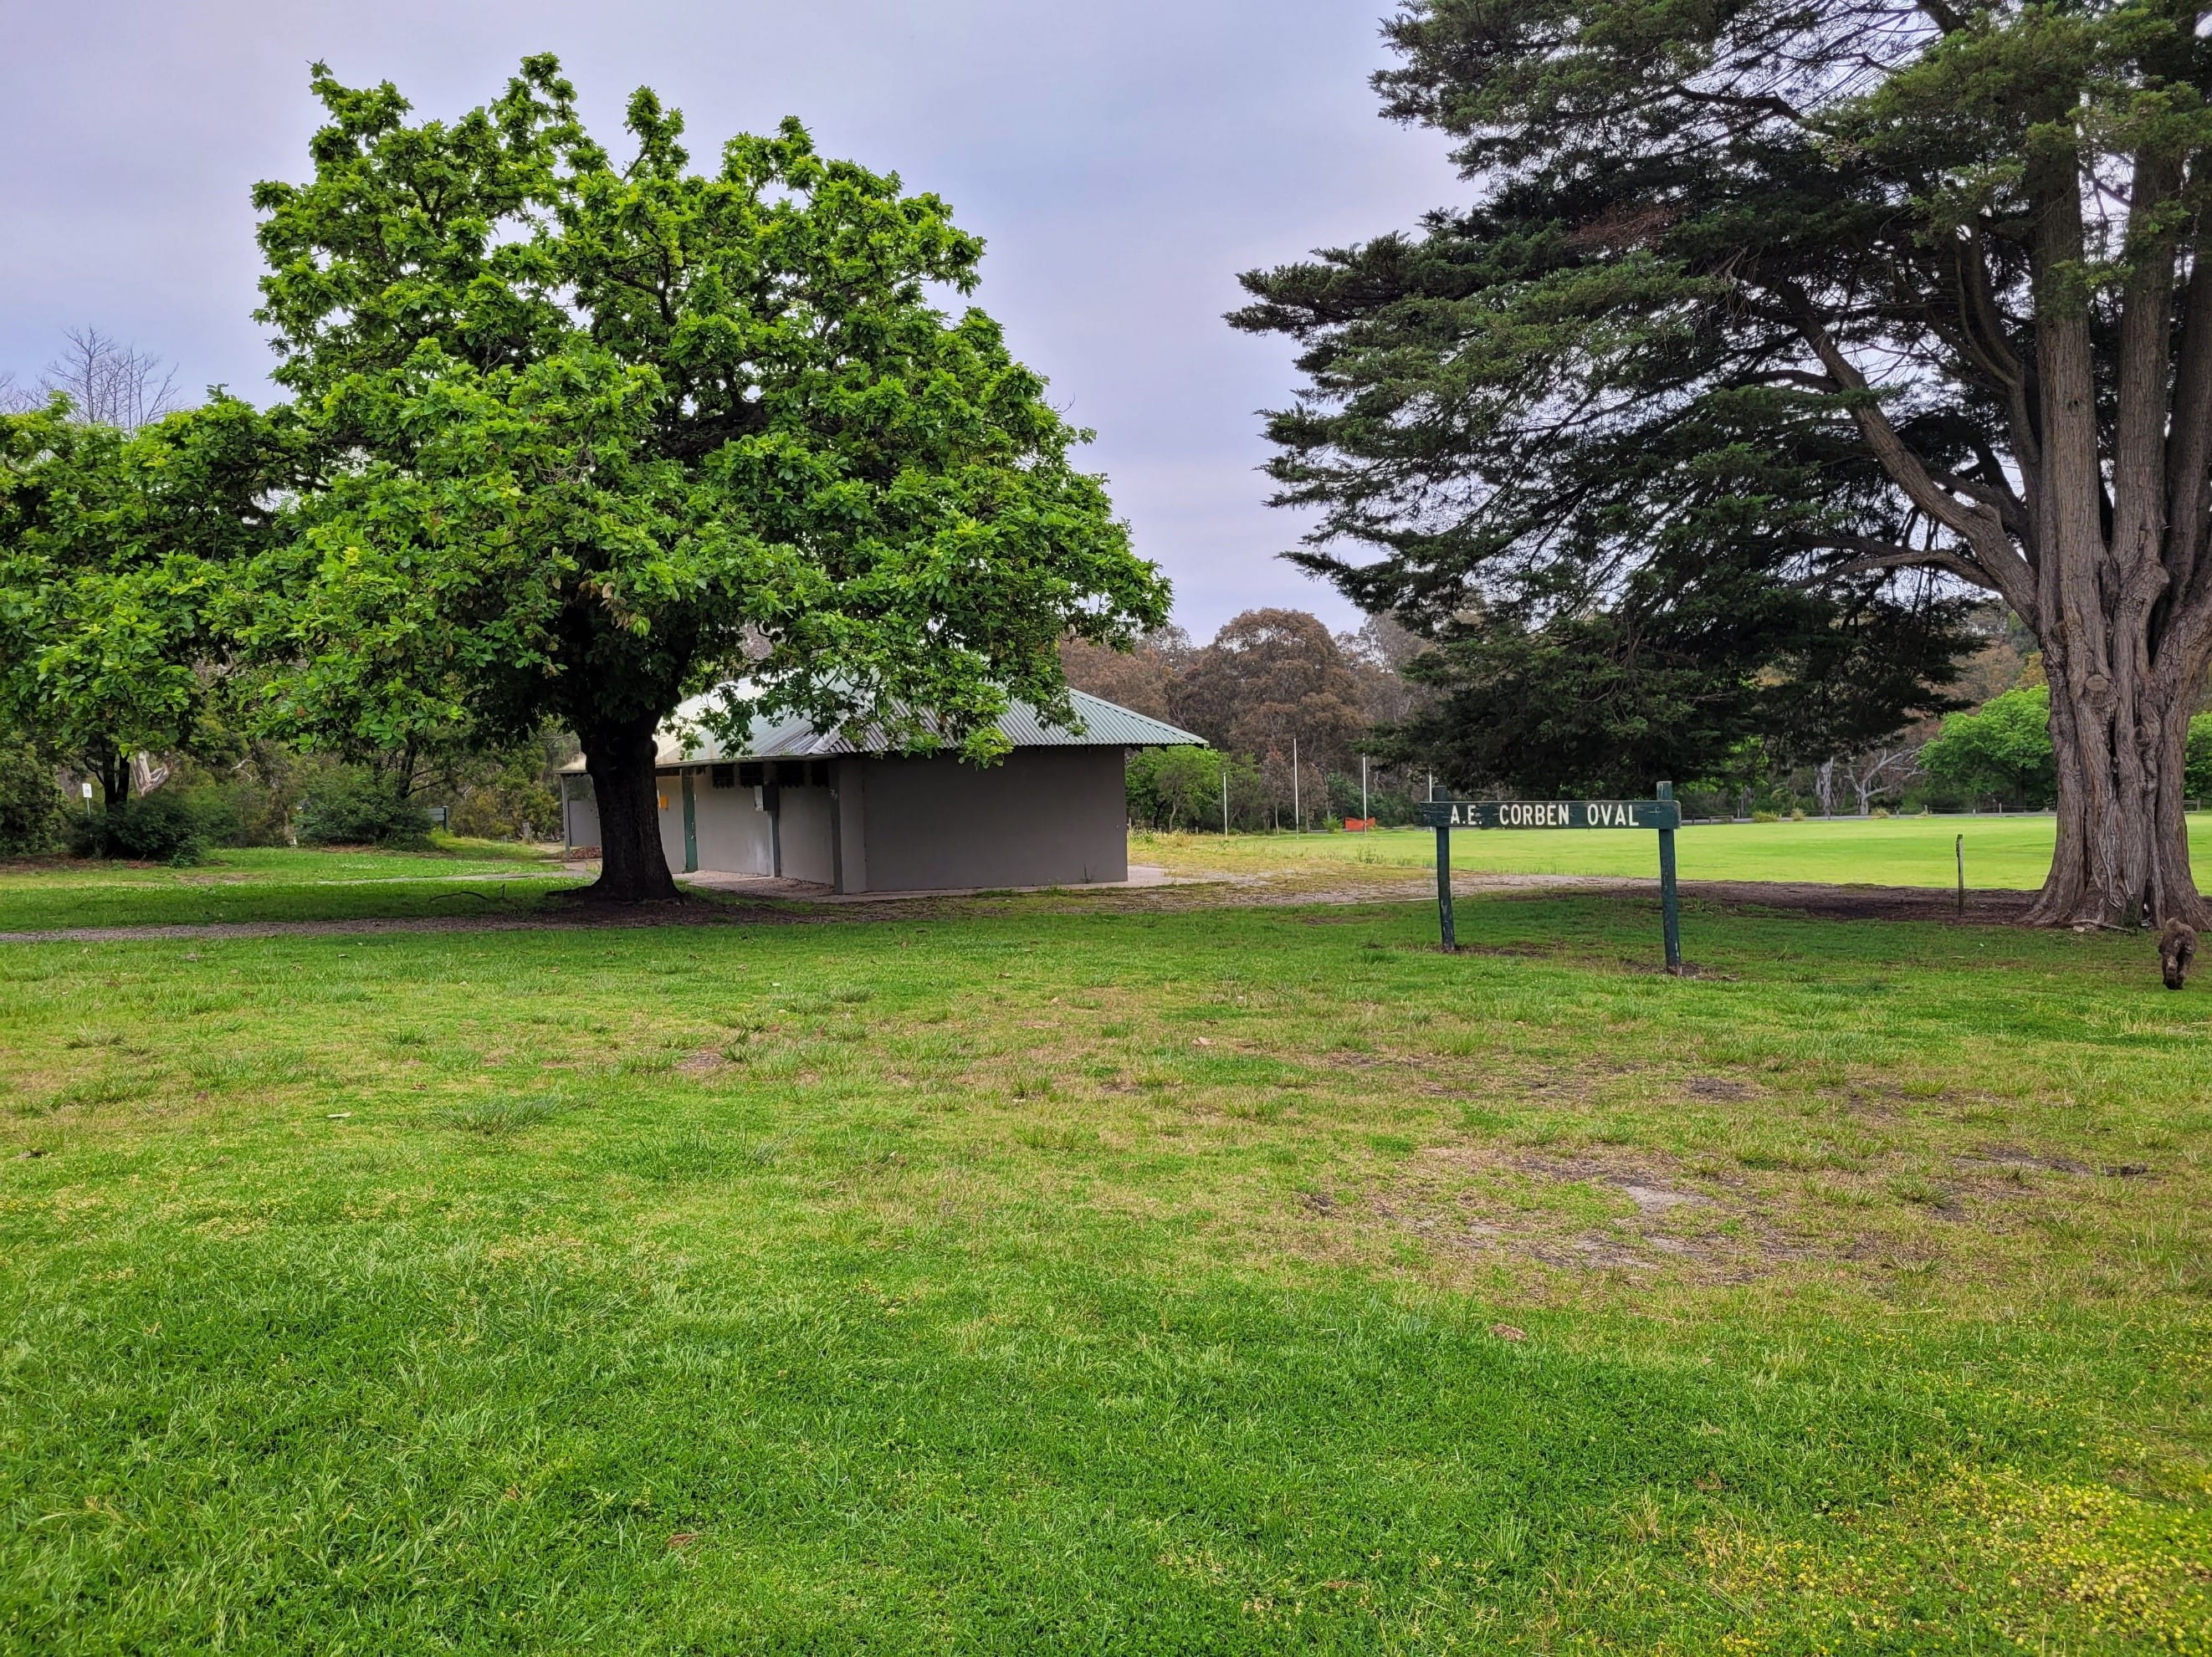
point(1999, 496)
point(2189, 441)
point(1796, 377)
point(2141, 377)
point(1980, 527)
point(1875, 554)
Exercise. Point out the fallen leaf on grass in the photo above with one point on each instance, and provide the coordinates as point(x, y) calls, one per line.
point(683, 1539)
point(1507, 1332)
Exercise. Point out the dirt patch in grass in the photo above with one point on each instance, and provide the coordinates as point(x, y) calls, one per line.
point(1633, 1214)
point(577, 908)
point(1601, 1210)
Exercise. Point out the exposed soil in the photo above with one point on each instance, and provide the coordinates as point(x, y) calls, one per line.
point(1702, 1226)
point(1461, 1198)
point(570, 910)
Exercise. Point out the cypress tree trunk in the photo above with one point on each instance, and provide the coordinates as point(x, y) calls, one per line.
point(633, 869)
point(2122, 858)
point(2119, 601)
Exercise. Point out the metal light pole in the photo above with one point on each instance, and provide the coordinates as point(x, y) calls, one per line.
point(1225, 797)
point(1298, 811)
point(1364, 813)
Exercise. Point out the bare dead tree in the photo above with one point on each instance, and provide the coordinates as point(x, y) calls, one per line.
point(109, 383)
point(1875, 769)
point(16, 399)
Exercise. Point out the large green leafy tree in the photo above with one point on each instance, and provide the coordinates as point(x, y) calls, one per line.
point(119, 552)
point(1867, 288)
point(595, 435)
point(2002, 749)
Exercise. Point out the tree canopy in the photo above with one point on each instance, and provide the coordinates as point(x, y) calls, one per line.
point(118, 551)
point(1272, 677)
point(2001, 751)
point(1839, 297)
point(592, 436)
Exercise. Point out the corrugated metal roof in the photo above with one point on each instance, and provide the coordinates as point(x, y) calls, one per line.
point(1105, 725)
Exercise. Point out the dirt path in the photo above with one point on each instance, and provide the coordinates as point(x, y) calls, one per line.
point(1243, 891)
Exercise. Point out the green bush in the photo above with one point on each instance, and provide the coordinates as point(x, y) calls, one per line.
point(157, 828)
point(219, 812)
point(2001, 751)
point(2196, 770)
point(239, 810)
point(510, 807)
point(356, 806)
point(1174, 788)
point(30, 803)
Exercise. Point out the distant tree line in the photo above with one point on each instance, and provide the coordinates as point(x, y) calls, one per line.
point(1290, 710)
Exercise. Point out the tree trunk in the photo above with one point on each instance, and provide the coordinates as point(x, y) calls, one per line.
point(2122, 858)
point(633, 869)
point(114, 780)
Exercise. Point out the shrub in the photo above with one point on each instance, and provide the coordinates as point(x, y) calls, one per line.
point(156, 828)
point(219, 813)
point(2001, 750)
point(1172, 788)
point(2197, 769)
point(1766, 816)
point(512, 807)
point(30, 804)
point(356, 806)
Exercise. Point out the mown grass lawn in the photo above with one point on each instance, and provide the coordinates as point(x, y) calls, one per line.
point(1066, 1277)
point(2013, 851)
point(256, 884)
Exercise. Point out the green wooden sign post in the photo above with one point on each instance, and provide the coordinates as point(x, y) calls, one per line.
point(1661, 814)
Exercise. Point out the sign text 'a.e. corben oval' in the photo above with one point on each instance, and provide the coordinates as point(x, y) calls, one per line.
point(1551, 814)
point(1662, 814)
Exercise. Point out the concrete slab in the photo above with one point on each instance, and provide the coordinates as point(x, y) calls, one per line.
point(770, 886)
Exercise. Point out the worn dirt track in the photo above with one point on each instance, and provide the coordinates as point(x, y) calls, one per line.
point(1832, 902)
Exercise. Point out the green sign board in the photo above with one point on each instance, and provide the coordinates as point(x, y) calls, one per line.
point(1661, 814)
point(1551, 814)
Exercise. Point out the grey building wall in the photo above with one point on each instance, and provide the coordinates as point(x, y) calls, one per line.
point(1043, 816)
point(669, 786)
point(806, 831)
point(579, 813)
point(732, 828)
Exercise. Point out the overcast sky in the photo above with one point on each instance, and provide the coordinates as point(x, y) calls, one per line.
point(1125, 161)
